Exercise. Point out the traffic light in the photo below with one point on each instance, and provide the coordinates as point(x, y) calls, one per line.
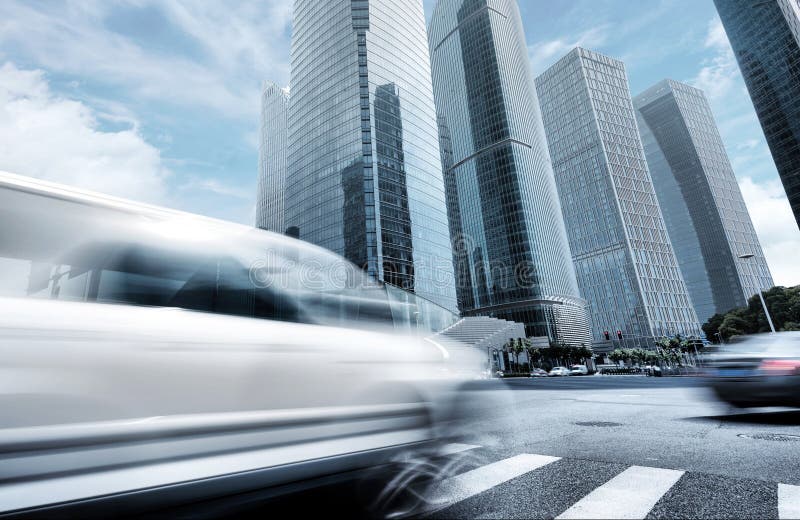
point(607, 335)
point(619, 334)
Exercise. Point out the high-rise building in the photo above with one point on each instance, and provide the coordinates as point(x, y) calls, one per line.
point(509, 242)
point(765, 36)
point(624, 261)
point(703, 208)
point(364, 173)
point(272, 158)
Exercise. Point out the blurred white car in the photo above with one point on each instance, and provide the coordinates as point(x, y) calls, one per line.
point(146, 350)
point(559, 371)
point(579, 370)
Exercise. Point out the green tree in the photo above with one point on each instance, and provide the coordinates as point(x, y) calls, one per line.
point(651, 357)
point(534, 354)
point(583, 353)
point(711, 327)
point(784, 307)
point(516, 347)
point(616, 355)
point(735, 324)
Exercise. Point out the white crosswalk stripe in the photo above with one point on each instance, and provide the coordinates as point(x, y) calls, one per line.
point(468, 484)
point(631, 494)
point(788, 502)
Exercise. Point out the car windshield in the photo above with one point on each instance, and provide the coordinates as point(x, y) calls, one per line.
point(69, 250)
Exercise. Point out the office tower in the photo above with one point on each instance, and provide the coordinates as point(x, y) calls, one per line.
point(511, 254)
point(364, 169)
point(704, 211)
point(272, 158)
point(624, 261)
point(765, 36)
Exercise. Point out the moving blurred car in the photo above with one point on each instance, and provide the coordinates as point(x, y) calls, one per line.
point(758, 370)
point(579, 370)
point(559, 372)
point(538, 372)
point(147, 351)
point(652, 370)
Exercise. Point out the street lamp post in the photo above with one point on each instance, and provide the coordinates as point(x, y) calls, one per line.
point(760, 294)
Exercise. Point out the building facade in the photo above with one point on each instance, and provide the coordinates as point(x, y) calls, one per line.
point(703, 208)
point(364, 174)
point(272, 158)
point(511, 255)
point(765, 36)
point(624, 261)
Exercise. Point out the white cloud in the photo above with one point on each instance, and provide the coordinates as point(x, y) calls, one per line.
point(57, 139)
point(217, 187)
point(239, 45)
point(543, 54)
point(776, 228)
point(719, 74)
point(749, 144)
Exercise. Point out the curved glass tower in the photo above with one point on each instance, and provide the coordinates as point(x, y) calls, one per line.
point(364, 175)
point(703, 208)
point(510, 245)
point(272, 158)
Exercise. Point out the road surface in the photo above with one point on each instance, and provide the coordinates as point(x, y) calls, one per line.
point(601, 447)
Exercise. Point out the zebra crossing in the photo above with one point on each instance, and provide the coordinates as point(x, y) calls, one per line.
point(528, 485)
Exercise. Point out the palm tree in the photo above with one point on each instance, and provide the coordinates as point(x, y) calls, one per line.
point(534, 354)
point(517, 347)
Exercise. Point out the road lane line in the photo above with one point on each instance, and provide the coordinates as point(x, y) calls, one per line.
point(631, 494)
point(460, 487)
point(452, 449)
point(788, 501)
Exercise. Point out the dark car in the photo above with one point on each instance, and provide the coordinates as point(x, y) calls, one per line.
point(758, 370)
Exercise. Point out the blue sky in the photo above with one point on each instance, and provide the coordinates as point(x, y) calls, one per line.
point(157, 100)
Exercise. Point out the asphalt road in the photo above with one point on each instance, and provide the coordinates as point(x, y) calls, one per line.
point(596, 447)
point(627, 445)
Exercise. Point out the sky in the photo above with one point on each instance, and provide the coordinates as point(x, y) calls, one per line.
point(157, 100)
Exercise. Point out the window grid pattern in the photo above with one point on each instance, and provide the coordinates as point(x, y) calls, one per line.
point(703, 207)
point(272, 158)
point(511, 252)
point(350, 173)
point(626, 267)
point(770, 64)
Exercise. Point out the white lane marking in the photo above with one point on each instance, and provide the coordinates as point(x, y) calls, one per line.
point(788, 501)
point(451, 449)
point(460, 487)
point(631, 494)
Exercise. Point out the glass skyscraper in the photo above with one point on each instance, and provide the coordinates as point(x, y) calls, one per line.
point(509, 242)
point(624, 261)
point(364, 173)
point(703, 208)
point(765, 36)
point(272, 158)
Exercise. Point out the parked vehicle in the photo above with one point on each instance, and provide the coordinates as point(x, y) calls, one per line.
point(195, 357)
point(559, 372)
point(758, 370)
point(538, 372)
point(579, 370)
